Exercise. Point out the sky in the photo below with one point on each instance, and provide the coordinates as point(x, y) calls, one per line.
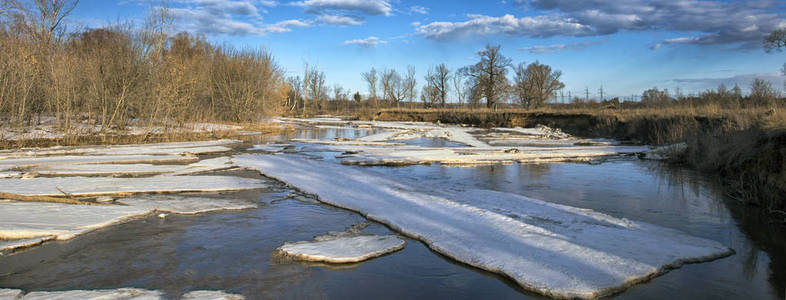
point(623, 46)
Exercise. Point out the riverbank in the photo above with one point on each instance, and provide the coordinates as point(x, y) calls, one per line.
point(743, 147)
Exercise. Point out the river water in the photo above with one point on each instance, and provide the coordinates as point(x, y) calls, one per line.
point(232, 251)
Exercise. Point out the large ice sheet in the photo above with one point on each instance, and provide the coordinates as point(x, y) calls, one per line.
point(551, 249)
point(344, 249)
point(92, 186)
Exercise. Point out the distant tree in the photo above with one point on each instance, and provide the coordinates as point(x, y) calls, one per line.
point(776, 40)
point(655, 97)
point(438, 81)
point(536, 84)
point(489, 74)
point(762, 93)
point(357, 97)
point(316, 86)
point(371, 78)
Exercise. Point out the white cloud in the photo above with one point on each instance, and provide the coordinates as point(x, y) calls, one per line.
point(369, 7)
point(339, 20)
point(561, 47)
point(371, 41)
point(418, 10)
point(539, 26)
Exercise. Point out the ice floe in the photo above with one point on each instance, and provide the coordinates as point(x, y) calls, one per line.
point(213, 164)
point(175, 148)
point(29, 162)
point(343, 249)
point(115, 294)
point(10, 294)
point(26, 220)
point(210, 295)
point(185, 205)
point(25, 224)
point(551, 249)
point(95, 186)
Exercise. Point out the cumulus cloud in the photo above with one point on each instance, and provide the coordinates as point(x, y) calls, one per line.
point(371, 41)
point(561, 47)
point(708, 22)
point(369, 7)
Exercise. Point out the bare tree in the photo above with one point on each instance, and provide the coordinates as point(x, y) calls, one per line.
point(438, 81)
point(45, 17)
point(370, 78)
point(316, 86)
point(458, 87)
point(295, 91)
point(386, 79)
point(489, 74)
point(409, 83)
point(535, 84)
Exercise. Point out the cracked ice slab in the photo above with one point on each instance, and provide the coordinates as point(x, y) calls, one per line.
point(94, 186)
point(555, 250)
point(344, 249)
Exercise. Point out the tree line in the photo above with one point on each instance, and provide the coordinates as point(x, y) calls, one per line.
point(125, 74)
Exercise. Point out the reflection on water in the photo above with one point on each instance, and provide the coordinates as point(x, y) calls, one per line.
point(232, 251)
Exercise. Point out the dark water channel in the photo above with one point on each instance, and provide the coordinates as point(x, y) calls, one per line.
point(232, 251)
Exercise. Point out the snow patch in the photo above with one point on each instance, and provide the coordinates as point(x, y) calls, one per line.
point(551, 249)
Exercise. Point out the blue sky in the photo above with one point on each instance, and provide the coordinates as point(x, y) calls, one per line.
point(625, 46)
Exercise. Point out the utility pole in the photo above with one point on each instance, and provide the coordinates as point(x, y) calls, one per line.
point(601, 92)
point(586, 93)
